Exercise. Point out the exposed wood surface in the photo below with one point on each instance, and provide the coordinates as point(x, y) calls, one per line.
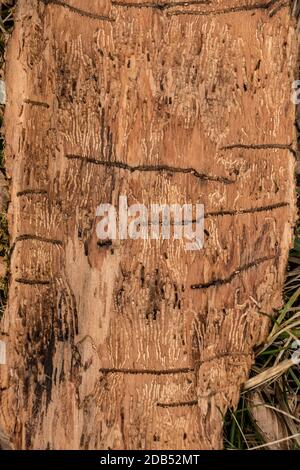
point(142, 345)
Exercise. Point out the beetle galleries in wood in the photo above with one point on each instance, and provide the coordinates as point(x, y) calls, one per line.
point(140, 344)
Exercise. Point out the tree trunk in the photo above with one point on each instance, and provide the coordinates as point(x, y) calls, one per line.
point(140, 344)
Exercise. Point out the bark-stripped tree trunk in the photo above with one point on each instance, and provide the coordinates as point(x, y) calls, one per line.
point(142, 344)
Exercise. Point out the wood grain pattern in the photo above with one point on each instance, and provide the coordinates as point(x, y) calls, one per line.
point(140, 344)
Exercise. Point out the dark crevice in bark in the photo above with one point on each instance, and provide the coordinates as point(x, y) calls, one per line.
point(39, 239)
point(73, 9)
point(37, 103)
point(178, 404)
point(251, 210)
point(255, 6)
point(33, 282)
point(222, 213)
point(241, 269)
point(122, 417)
point(152, 168)
point(29, 192)
point(160, 5)
point(260, 147)
point(146, 371)
point(231, 213)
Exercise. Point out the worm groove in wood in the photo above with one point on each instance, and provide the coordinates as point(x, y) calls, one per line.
point(42, 104)
point(146, 371)
point(39, 239)
point(152, 168)
point(161, 5)
point(178, 404)
point(238, 9)
point(33, 282)
point(260, 147)
point(73, 9)
point(32, 192)
point(241, 269)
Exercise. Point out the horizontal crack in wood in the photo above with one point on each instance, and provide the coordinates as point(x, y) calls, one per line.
point(39, 239)
point(224, 11)
point(30, 192)
point(146, 371)
point(223, 213)
point(241, 269)
point(251, 210)
point(32, 282)
point(178, 404)
point(159, 6)
point(37, 103)
point(152, 168)
point(73, 9)
point(260, 147)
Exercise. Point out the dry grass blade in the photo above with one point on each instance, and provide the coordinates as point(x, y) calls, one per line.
point(264, 446)
point(269, 374)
